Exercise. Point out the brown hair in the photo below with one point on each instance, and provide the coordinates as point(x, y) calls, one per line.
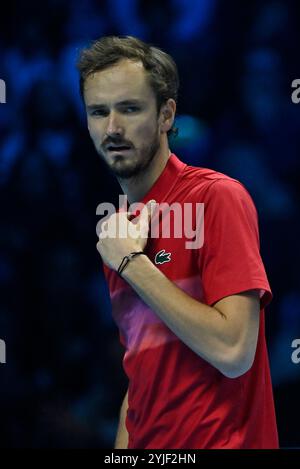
point(161, 68)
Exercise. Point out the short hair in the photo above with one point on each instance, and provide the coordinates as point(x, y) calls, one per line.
point(108, 50)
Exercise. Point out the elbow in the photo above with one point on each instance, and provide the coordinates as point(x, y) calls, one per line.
point(237, 364)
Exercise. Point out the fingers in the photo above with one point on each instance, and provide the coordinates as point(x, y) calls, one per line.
point(120, 222)
point(147, 211)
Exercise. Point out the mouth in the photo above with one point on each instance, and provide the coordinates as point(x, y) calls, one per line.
point(118, 148)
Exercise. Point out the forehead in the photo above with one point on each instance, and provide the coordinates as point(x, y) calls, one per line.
point(125, 80)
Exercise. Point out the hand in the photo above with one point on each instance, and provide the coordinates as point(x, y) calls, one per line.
point(119, 236)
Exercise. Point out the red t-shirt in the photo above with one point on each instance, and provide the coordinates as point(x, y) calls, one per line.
point(176, 399)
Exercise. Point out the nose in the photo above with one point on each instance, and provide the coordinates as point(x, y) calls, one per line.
point(114, 126)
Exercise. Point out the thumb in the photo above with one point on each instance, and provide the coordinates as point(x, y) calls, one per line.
point(149, 208)
point(145, 215)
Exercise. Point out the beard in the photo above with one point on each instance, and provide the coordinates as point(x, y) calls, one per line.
point(124, 168)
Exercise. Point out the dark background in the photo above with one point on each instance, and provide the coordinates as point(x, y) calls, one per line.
point(63, 382)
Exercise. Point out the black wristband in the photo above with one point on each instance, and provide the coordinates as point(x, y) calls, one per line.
point(127, 259)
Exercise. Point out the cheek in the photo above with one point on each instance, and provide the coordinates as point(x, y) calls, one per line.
point(147, 129)
point(94, 131)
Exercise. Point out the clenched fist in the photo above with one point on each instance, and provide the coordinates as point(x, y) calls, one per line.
point(119, 236)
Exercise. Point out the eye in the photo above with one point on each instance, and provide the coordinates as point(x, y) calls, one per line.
point(99, 112)
point(131, 109)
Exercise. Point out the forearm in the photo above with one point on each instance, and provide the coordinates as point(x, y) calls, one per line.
point(122, 434)
point(201, 327)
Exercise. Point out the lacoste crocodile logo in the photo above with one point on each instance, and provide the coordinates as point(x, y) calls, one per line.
point(162, 257)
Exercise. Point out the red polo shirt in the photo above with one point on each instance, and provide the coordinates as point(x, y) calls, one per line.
point(177, 399)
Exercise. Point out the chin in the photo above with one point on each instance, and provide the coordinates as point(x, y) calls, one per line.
point(125, 171)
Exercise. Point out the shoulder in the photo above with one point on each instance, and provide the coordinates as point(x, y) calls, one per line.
point(213, 185)
point(228, 202)
point(228, 188)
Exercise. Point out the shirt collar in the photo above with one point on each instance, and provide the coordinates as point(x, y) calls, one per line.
point(166, 181)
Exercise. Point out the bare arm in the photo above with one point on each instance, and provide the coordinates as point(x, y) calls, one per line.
point(224, 335)
point(122, 434)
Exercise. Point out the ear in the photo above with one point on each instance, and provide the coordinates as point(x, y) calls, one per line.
point(167, 115)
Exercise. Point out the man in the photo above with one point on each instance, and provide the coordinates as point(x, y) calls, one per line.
point(191, 320)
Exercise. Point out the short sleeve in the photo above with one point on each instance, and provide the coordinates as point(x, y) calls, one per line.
point(229, 260)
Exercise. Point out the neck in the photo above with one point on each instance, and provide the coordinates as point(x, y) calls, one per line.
point(137, 187)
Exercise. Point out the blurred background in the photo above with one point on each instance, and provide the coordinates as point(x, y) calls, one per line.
point(62, 383)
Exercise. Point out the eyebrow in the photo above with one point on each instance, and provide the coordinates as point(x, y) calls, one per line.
point(126, 102)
